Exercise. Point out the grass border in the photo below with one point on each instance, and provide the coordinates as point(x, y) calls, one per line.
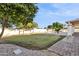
point(37, 48)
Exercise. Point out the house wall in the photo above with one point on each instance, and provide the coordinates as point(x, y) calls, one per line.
point(75, 24)
point(76, 30)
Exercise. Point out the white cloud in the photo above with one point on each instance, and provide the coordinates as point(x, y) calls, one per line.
point(67, 9)
point(64, 12)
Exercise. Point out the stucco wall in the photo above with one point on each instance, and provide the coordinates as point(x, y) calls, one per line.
point(8, 32)
point(76, 30)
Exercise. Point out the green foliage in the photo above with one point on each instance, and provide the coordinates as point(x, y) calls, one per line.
point(29, 25)
point(19, 25)
point(49, 27)
point(57, 26)
point(16, 12)
point(35, 25)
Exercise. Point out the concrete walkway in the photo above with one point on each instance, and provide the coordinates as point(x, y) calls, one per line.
point(7, 50)
point(69, 46)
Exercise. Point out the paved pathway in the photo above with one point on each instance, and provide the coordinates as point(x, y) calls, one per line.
point(7, 50)
point(69, 46)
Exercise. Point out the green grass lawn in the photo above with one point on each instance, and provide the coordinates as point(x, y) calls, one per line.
point(35, 41)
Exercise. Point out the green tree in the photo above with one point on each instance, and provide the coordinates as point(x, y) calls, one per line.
point(57, 26)
point(29, 26)
point(20, 26)
point(35, 25)
point(14, 13)
point(49, 27)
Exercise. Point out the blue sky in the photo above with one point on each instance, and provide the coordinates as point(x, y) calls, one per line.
point(52, 12)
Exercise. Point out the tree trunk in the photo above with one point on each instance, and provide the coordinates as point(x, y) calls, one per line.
point(4, 24)
point(19, 31)
point(23, 31)
point(3, 27)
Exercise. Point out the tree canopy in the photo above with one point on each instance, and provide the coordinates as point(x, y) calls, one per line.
point(16, 13)
point(57, 26)
point(35, 25)
point(49, 27)
point(31, 25)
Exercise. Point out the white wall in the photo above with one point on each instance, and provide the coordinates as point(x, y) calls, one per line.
point(39, 30)
point(8, 32)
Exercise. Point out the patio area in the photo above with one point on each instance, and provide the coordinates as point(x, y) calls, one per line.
point(69, 46)
point(7, 50)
